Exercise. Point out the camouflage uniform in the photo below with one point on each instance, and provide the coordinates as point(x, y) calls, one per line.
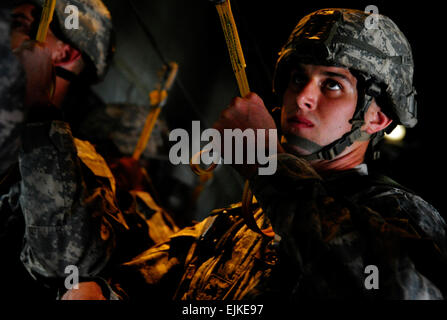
point(67, 196)
point(58, 205)
point(75, 191)
point(326, 234)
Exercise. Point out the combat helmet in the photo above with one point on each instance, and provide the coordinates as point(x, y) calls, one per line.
point(94, 38)
point(379, 55)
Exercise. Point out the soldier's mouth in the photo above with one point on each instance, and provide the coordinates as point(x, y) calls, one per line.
point(300, 122)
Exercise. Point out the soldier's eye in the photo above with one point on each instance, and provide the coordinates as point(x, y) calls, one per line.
point(297, 78)
point(332, 85)
point(18, 25)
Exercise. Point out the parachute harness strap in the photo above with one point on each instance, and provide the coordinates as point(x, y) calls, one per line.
point(45, 20)
point(238, 64)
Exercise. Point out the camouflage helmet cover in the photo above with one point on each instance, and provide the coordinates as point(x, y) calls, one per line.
point(340, 37)
point(94, 36)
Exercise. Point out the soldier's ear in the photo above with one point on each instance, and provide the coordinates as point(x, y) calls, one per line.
point(375, 119)
point(64, 55)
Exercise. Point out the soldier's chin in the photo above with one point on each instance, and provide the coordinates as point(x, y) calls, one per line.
point(295, 150)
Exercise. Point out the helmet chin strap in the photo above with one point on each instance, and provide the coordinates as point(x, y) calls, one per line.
point(302, 143)
point(65, 74)
point(332, 150)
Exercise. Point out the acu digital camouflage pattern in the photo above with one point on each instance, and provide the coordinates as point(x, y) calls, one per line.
point(94, 36)
point(58, 210)
point(339, 37)
point(12, 92)
point(62, 210)
point(327, 233)
point(67, 196)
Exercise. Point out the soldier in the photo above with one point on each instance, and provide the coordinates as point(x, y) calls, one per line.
point(326, 221)
point(25, 79)
point(61, 197)
point(12, 91)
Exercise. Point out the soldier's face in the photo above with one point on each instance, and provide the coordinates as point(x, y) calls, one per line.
point(318, 104)
point(22, 26)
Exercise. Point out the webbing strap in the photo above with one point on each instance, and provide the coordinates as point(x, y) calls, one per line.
point(65, 74)
point(303, 143)
point(334, 149)
point(356, 134)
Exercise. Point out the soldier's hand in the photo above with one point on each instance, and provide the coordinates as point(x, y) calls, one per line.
point(86, 291)
point(244, 113)
point(40, 79)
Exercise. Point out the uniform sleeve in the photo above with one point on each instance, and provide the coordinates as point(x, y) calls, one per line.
point(12, 93)
point(331, 240)
point(69, 212)
point(72, 216)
